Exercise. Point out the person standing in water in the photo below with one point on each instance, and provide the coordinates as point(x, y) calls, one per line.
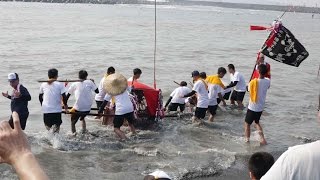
point(83, 95)
point(237, 81)
point(258, 92)
point(50, 99)
point(136, 75)
point(99, 97)
point(201, 89)
point(115, 86)
point(261, 60)
point(215, 87)
point(175, 101)
point(19, 100)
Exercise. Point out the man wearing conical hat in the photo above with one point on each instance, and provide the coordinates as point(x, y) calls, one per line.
point(115, 86)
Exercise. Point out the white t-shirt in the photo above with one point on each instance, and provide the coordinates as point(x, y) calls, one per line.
point(214, 89)
point(202, 94)
point(122, 102)
point(83, 94)
point(102, 92)
point(297, 163)
point(180, 91)
point(263, 86)
point(241, 85)
point(52, 97)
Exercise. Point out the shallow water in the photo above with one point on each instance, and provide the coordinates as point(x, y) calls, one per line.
point(36, 37)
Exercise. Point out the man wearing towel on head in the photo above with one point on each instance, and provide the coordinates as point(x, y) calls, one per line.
point(115, 86)
point(258, 93)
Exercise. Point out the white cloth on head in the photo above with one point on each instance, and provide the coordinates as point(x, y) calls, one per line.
point(263, 86)
point(160, 174)
point(202, 94)
point(52, 96)
point(297, 163)
point(214, 90)
point(241, 85)
point(122, 102)
point(83, 94)
point(102, 92)
point(178, 92)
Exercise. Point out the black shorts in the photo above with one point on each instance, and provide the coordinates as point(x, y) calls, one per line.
point(78, 114)
point(213, 109)
point(99, 103)
point(237, 96)
point(226, 97)
point(23, 120)
point(252, 116)
point(174, 107)
point(51, 119)
point(119, 119)
point(200, 113)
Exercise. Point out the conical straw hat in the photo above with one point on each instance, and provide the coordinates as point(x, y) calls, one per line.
point(115, 84)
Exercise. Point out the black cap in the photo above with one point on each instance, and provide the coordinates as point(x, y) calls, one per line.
point(195, 73)
point(183, 83)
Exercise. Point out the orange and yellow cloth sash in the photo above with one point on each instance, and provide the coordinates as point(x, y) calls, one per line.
point(254, 87)
point(214, 79)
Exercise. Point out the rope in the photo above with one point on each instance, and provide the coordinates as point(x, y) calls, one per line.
point(155, 44)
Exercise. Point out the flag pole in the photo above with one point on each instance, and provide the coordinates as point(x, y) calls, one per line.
point(155, 45)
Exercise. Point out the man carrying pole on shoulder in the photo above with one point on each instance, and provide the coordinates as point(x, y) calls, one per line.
point(50, 99)
point(83, 95)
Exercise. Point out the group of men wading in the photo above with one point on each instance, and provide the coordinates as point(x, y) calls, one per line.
point(112, 97)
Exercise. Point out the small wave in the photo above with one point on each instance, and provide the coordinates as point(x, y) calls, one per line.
point(196, 173)
point(143, 151)
point(304, 139)
point(92, 141)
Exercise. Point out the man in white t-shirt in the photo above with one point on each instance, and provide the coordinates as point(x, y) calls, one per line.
point(124, 110)
point(50, 99)
point(297, 163)
point(102, 93)
point(175, 100)
point(215, 93)
point(116, 87)
point(136, 75)
point(258, 93)
point(83, 96)
point(201, 89)
point(239, 84)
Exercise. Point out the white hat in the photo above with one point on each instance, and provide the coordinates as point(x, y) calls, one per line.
point(160, 174)
point(115, 84)
point(12, 77)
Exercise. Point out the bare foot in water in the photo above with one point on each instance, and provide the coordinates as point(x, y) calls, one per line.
point(262, 139)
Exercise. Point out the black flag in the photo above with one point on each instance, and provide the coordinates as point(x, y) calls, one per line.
point(282, 46)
